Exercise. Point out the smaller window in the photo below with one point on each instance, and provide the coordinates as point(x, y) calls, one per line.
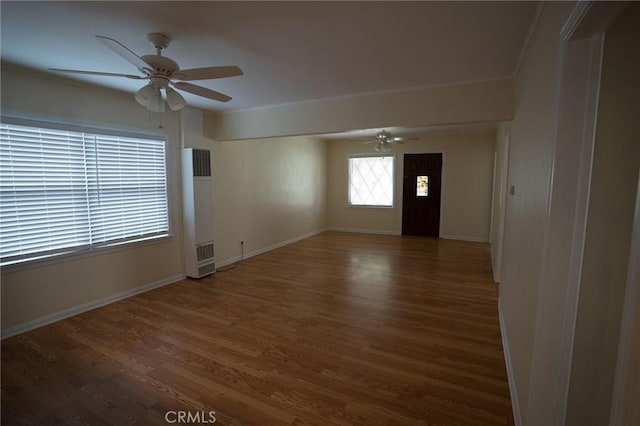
point(422, 186)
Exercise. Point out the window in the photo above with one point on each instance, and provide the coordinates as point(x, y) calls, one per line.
point(371, 181)
point(65, 190)
point(422, 186)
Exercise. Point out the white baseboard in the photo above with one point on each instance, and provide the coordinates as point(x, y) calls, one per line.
point(493, 266)
point(51, 318)
point(268, 248)
point(517, 419)
point(464, 238)
point(365, 231)
point(388, 232)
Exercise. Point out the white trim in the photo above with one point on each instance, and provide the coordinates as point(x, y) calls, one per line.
point(515, 406)
point(75, 310)
point(583, 194)
point(527, 40)
point(559, 285)
point(559, 290)
point(362, 95)
point(580, 10)
point(443, 185)
point(581, 52)
point(253, 253)
point(365, 231)
point(493, 196)
point(497, 241)
point(624, 404)
point(465, 238)
point(538, 401)
point(589, 18)
point(366, 206)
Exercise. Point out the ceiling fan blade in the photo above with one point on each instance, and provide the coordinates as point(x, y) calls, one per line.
point(371, 141)
point(400, 139)
point(202, 91)
point(107, 74)
point(125, 53)
point(207, 73)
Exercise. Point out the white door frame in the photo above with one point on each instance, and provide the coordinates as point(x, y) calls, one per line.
point(625, 403)
point(576, 116)
point(499, 194)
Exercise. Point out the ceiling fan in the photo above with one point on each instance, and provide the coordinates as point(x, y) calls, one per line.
point(163, 74)
point(383, 141)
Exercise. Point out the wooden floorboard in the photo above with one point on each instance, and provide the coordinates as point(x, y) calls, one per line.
point(345, 329)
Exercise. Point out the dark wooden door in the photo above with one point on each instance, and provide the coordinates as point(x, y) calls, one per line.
point(421, 194)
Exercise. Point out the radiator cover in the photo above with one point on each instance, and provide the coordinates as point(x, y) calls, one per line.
point(197, 196)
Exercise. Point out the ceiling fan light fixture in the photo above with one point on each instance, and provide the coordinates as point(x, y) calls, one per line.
point(145, 95)
point(175, 100)
point(383, 147)
point(157, 103)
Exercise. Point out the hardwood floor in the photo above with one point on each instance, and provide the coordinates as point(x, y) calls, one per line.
point(342, 329)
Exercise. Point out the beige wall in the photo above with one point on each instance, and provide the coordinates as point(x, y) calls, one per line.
point(466, 192)
point(463, 103)
point(530, 160)
point(267, 191)
point(44, 289)
point(616, 164)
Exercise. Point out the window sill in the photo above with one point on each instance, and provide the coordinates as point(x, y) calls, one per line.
point(71, 255)
point(358, 206)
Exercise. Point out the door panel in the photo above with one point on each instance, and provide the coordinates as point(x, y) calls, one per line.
point(421, 194)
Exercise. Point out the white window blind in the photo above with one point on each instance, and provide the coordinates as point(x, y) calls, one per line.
point(66, 190)
point(371, 181)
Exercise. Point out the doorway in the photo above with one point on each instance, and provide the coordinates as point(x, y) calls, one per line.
point(421, 190)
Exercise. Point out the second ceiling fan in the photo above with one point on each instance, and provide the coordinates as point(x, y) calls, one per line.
point(163, 74)
point(384, 139)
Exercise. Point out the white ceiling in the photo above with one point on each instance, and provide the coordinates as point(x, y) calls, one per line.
point(289, 51)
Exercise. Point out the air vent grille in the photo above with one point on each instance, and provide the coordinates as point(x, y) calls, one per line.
point(206, 269)
point(201, 162)
point(205, 251)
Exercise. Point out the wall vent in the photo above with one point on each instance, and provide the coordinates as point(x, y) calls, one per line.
point(201, 162)
point(205, 252)
point(206, 269)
